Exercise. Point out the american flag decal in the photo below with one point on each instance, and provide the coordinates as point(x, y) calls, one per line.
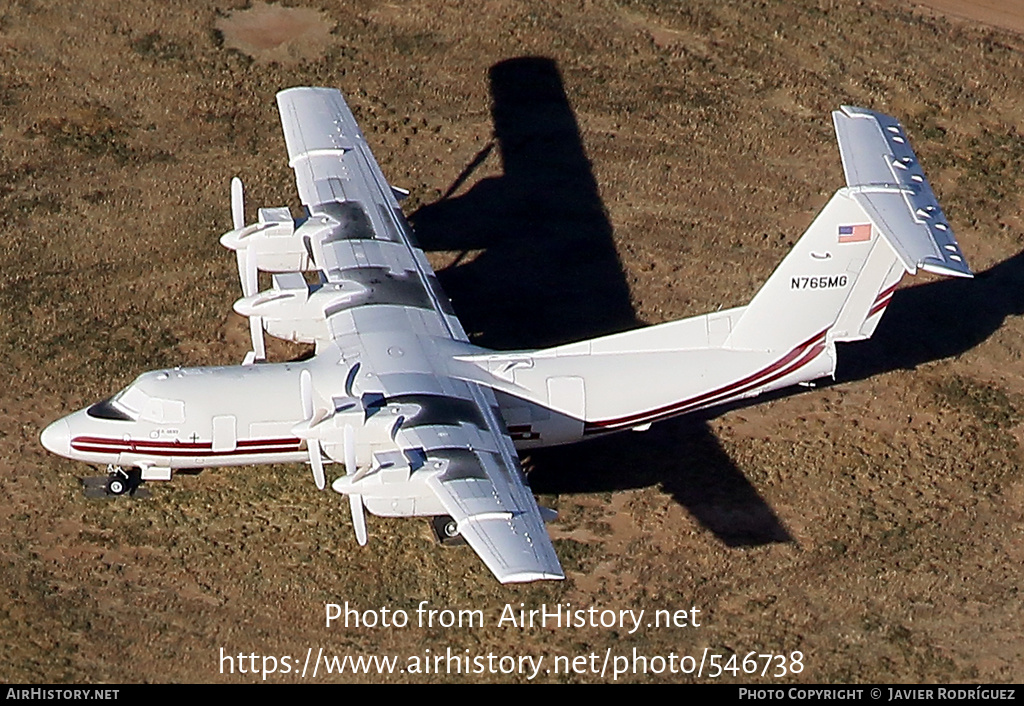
point(855, 234)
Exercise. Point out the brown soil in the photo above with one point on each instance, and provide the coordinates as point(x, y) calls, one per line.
point(276, 33)
point(1006, 14)
point(654, 160)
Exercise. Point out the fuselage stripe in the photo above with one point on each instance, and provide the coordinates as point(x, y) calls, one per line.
point(886, 292)
point(879, 306)
point(802, 355)
point(177, 449)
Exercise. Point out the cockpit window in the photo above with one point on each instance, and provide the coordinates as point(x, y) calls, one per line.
point(131, 399)
point(132, 404)
point(106, 410)
point(147, 408)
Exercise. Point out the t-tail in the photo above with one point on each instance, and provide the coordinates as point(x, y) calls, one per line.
point(840, 276)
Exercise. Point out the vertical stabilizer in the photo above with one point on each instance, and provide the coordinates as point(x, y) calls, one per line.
point(842, 273)
point(842, 257)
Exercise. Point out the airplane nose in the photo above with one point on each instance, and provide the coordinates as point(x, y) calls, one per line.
point(56, 438)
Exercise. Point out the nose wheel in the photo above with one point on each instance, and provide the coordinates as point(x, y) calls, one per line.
point(120, 481)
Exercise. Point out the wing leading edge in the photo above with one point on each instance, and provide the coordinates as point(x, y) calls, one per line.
point(461, 460)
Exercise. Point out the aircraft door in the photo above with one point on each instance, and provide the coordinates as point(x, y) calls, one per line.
point(567, 399)
point(225, 437)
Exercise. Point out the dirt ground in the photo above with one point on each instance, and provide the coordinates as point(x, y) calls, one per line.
point(1004, 14)
point(576, 168)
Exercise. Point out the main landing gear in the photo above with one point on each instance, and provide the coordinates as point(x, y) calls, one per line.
point(446, 531)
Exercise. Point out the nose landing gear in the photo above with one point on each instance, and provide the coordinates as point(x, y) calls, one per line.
point(120, 481)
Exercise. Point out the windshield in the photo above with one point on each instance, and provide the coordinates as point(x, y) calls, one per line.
point(107, 410)
point(140, 406)
point(132, 400)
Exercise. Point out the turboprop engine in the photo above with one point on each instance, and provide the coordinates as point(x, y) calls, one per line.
point(297, 311)
point(361, 432)
point(275, 243)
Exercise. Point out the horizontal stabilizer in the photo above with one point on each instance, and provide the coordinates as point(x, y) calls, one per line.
point(885, 179)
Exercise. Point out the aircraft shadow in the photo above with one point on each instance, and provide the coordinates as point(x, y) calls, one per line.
point(547, 273)
point(937, 320)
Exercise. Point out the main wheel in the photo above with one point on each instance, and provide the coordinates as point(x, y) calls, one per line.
point(446, 530)
point(450, 528)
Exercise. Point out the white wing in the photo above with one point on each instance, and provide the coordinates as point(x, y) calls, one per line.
point(398, 325)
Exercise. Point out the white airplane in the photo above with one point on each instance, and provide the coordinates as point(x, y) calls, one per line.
point(427, 424)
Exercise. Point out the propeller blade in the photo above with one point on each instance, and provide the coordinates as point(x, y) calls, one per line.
point(246, 265)
point(237, 204)
point(306, 392)
point(247, 276)
point(312, 442)
point(247, 273)
point(350, 449)
point(355, 502)
point(317, 462)
point(256, 333)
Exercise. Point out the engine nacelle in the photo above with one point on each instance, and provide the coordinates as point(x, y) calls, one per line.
point(276, 243)
point(296, 311)
point(391, 488)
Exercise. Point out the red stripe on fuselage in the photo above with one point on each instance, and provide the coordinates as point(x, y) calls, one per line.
point(886, 292)
point(880, 306)
point(177, 449)
point(802, 355)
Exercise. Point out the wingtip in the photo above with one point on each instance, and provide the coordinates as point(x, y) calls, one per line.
point(528, 576)
point(852, 111)
point(946, 270)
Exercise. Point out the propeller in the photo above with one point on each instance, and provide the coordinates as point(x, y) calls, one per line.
point(247, 273)
point(355, 501)
point(237, 204)
point(305, 429)
point(259, 348)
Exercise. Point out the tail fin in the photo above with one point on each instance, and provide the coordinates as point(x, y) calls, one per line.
point(841, 274)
